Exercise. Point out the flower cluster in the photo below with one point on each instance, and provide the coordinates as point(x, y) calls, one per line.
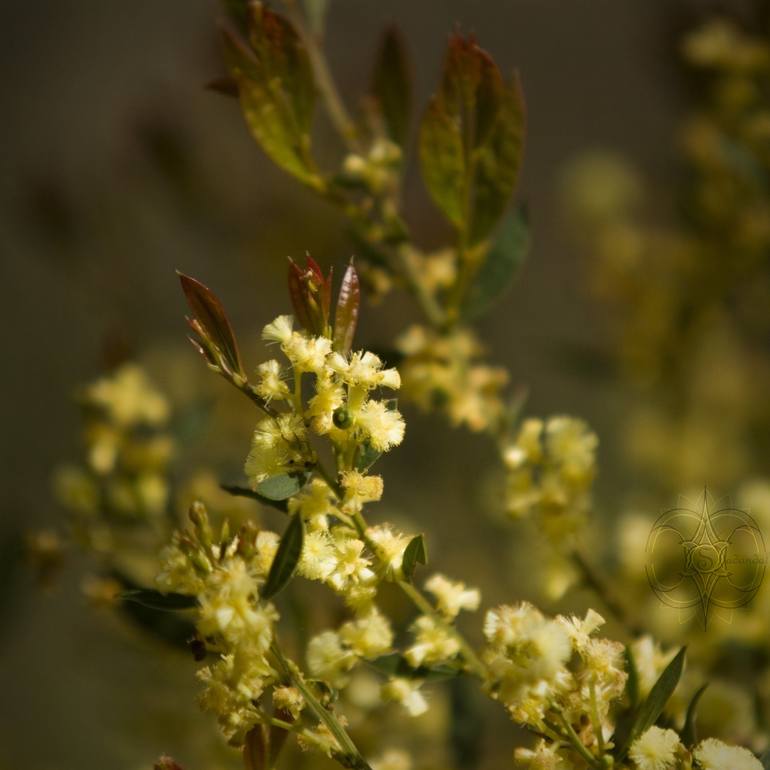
point(532, 669)
point(443, 371)
point(550, 466)
point(233, 624)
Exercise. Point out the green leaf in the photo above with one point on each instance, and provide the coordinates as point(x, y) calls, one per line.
point(155, 600)
point(689, 731)
point(346, 315)
point(281, 487)
point(286, 558)
point(496, 163)
point(212, 320)
point(497, 272)
point(236, 491)
point(392, 86)
point(416, 551)
point(366, 457)
point(632, 683)
point(277, 90)
point(652, 707)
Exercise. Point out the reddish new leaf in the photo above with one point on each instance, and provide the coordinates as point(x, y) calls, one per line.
point(212, 320)
point(298, 295)
point(346, 316)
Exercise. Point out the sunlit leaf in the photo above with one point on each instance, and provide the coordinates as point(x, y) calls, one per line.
point(500, 265)
point(286, 558)
point(237, 491)
point(346, 315)
point(442, 161)
point(210, 314)
point(277, 91)
point(392, 86)
point(471, 140)
point(366, 457)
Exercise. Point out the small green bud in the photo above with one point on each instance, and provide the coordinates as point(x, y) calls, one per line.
point(341, 417)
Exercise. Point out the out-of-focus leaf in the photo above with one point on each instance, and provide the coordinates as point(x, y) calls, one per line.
point(210, 314)
point(392, 86)
point(394, 664)
point(689, 731)
point(167, 626)
point(416, 552)
point(471, 140)
point(238, 13)
point(277, 91)
point(442, 161)
point(653, 705)
point(286, 557)
point(225, 85)
point(283, 486)
point(155, 600)
point(497, 163)
point(237, 491)
point(632, 683)
point(502, 261)
point(346, 315)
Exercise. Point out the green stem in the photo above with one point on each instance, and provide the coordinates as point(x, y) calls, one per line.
point(353, 757)
point(577, 744)
point(593, 580)
point(335, 107)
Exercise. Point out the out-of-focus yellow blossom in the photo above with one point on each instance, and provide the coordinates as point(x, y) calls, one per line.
point(550, 467)
point(712, 754)
point(444, 371)
point(407, 693)
point(452, 596)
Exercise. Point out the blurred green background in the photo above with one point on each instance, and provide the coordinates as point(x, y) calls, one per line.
point(118, 167)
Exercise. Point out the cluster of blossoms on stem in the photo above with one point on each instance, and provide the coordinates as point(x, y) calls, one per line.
point(552, 671)
point(443, 370)
point(549, 469)
point(128, 449)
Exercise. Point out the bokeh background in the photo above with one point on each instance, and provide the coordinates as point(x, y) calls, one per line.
point(117, 166)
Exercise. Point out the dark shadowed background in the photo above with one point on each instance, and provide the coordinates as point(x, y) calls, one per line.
point(117, 166)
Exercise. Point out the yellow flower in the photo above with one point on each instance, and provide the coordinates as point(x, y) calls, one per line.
point(655, 750)
point(384, 427)
point(712, 754)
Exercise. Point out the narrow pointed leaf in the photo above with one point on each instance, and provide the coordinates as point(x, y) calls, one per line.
point(689, 731)
point(286, 558)
point(415, 552)
point(237, 491)
point(155, 600)
point(652, 707)
point(346, 316)
point(210, 314)
point(392, 86)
